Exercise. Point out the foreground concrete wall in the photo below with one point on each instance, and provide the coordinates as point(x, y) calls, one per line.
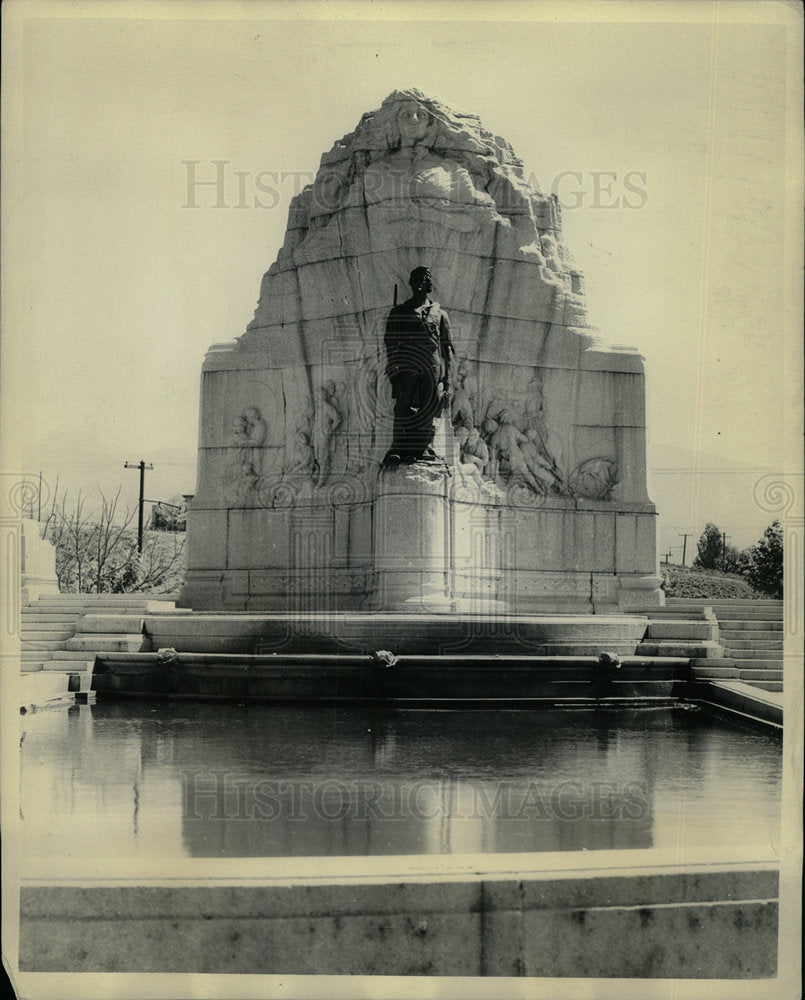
point(711, 921)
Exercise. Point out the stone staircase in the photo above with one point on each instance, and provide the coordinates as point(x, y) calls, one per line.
point(751, 636)
point(690, 632)
point(55, 639)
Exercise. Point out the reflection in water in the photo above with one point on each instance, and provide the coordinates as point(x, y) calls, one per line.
point(137, 779)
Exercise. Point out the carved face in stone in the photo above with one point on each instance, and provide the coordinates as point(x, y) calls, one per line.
point(412, 121)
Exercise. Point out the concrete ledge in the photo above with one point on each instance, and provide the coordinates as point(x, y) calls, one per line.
point(401, 633)
point(328, 677)
point(740, 699)
point(525, 915)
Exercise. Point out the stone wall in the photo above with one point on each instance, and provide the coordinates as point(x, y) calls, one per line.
point(640, 919)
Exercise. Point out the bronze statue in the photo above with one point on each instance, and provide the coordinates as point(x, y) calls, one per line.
point(419, 361)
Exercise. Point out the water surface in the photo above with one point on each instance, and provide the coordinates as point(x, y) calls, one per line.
point(141, 779)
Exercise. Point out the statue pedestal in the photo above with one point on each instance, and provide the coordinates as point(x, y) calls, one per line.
point(412, 571)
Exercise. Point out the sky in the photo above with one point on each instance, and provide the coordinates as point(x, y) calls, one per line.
point(670, 133)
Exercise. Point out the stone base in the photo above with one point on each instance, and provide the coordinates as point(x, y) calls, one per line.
point(411, 541)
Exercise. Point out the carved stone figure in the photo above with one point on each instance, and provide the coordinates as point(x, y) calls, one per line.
point(414, 181)
point(474, 450)
point(461, 408)
point(595, 479)
point(505, 443)
point(306, 459)
point(249, 432)
point(328, 419)
point(419, 361)
point(542, 470)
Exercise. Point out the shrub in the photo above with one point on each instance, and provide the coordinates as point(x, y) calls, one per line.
point(702, 584)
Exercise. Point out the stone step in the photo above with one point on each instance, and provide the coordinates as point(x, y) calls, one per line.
point(47, 625)
point(96, 642)
point(767, 685)
point(765, 643)
point(69, 666)
point(693, 614)
point(70, 654)
point(725, 600)
point(750, 664)
point(713, 661)
point(760, 675)
point(671, 648)
point(752, 653)
point(716, 673)
point(744, 616)
point(50, 635)
point(112, 607)
point(679, 630)
point(128, 624)
point(31, 666)
point(65, 597)
point(756, 625)
point(729, 636)
point(49, 614)
point(34, 654)
point(40, 644)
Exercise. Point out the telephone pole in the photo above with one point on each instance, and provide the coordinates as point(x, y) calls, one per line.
point(142, 467)
point(684, 545)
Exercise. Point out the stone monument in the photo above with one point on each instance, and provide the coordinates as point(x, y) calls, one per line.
point(535, 500)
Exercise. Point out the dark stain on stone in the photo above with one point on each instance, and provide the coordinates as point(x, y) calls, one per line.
point(646, 916)
point(578, 917)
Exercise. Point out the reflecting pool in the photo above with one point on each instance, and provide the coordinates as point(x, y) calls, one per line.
point(142, 779)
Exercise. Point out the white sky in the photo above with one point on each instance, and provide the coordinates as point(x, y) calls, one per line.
point(113, 290)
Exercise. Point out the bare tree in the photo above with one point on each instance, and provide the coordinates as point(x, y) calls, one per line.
point(98, 554)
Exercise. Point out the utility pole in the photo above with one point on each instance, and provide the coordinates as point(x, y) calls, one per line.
point(142, 467)
point(684, 545)
point(668, 555)
point(724, 538)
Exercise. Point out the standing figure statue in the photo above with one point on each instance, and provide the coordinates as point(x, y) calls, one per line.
point(327, 421)
point(419, 361)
